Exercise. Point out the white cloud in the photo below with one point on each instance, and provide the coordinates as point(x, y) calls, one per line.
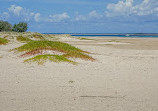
point(4, 16)
point(15, 9)
point(19, 13)
point(36, 16)
point(94, 14)
point(58, 17)
point(147, 7)
point(121, 8)
point(32, 14)
point(91, 15)
point(80, 17)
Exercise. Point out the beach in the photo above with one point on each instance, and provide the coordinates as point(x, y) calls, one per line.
point(123, 77)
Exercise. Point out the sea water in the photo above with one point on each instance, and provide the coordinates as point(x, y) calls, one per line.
point(117, 35)
point(146, 35)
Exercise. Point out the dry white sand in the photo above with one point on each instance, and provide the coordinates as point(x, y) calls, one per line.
point(124, 78)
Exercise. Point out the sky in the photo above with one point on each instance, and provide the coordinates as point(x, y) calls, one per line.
point(83, 16)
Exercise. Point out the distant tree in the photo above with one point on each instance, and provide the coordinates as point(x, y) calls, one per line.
point(20, 27)
point(5, 26)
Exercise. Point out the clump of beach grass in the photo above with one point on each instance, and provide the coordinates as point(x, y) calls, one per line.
point(78, 55)
point(38, 36)
point(3, 41)
point(37, 47)
point(47, 45)
point(41, 59)
point(23, 39)
point(83, 38)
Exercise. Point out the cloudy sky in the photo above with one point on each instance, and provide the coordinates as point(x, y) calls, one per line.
point(83, 16)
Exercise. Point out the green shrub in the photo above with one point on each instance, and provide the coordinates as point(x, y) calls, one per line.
point(20, 27)
point(5, 26)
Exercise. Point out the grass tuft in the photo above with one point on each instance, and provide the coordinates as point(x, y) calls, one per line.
point(37, 47)
point(48, 45)
point(41, 59)
point(82, 38)
point(3, 41)
point(79, 55)
point(38, 36)
point(23, 39)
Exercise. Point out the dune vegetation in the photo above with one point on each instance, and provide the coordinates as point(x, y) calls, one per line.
point(36, 49)
point(48, 45)
point(78, 55)
point(41, 59)
point(83, 38)
point(22, 39)
point(3, 41)
point(38, 36)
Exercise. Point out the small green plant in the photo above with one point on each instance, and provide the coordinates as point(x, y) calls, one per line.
point(3, 41)
point(41, 59)
point(23, 39)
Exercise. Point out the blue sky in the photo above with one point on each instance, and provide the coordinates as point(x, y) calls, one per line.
point(83, 16)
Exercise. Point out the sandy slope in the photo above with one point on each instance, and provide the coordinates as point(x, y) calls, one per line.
point(124, 78)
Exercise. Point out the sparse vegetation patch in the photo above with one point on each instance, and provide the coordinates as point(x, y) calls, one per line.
point(41, 59)
point(23, 39)
point(83, 38)
point(38, 36)
point(47, 45)
point(78, 55)
point(36, 48)
point(3, 41)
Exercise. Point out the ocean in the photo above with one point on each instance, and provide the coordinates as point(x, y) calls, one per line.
point(131, 35)
point(117, 35)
